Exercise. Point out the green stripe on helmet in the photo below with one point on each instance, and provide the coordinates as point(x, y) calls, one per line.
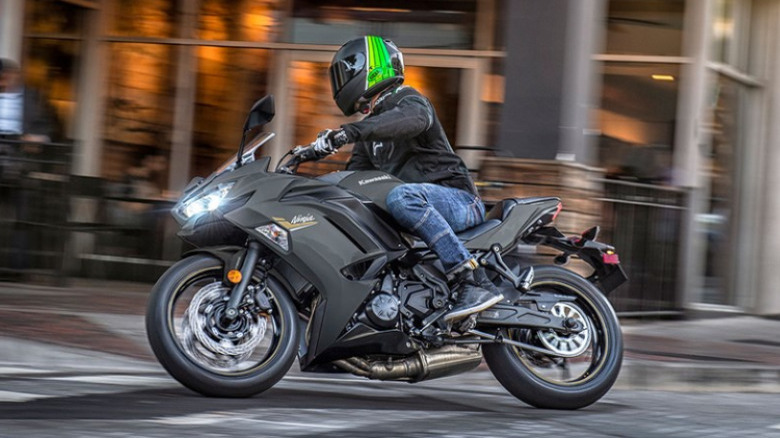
point(380, 67)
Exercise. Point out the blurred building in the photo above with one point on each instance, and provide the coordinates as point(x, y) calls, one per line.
point(679, 94)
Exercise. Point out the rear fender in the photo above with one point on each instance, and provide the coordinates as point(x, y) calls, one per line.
point(607, 272)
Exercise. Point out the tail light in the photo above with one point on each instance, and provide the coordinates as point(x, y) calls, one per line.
point(610, 258)
point(558, 210)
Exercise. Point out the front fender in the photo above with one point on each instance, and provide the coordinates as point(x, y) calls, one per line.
point(231, 256)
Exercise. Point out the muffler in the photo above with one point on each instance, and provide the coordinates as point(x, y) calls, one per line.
point(425, 365)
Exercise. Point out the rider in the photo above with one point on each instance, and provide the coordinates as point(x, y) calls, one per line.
point(402, 136)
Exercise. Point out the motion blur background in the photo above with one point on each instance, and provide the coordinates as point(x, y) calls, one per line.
point(655, 118)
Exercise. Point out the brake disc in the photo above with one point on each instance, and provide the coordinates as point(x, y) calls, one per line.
point(209, 337)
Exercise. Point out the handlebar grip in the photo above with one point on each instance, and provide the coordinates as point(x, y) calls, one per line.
point(306, 153)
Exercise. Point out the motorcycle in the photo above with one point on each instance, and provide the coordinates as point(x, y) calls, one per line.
point(290, 266)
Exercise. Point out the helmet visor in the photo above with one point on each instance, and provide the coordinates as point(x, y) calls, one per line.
point(343, 70)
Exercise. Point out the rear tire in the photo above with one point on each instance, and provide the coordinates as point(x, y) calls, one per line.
point(175, 351)
point(516, 369)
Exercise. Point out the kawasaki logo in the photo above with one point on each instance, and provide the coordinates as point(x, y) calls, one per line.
point(363, 182)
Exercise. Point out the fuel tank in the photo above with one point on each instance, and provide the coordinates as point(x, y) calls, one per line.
point(372, 185)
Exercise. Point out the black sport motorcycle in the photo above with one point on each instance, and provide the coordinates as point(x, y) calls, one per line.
point(288, 266)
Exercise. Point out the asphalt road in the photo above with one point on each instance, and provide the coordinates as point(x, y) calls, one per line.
point(142, 401)
point(75, 363)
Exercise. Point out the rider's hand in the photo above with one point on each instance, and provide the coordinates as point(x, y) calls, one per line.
point(329, 140)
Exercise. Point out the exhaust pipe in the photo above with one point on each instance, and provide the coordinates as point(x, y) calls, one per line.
point(425, 365)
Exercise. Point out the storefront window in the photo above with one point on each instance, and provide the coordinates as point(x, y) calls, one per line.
point(718, 225)
point(138, 110)
point(52, 17)
point(144, 18)
point(723, 30)
point(637, 120)
point(52, 52)
point(645, 27)
point(229, 81)
point(50, 67)
point(732, 28)
point(247, 20)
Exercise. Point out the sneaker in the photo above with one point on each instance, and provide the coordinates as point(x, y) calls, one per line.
point(484, 282)
point(471, 297)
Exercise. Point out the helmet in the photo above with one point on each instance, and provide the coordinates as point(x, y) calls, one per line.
point(363, 68)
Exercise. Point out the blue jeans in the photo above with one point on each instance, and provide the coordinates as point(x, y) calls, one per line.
point(435, 213)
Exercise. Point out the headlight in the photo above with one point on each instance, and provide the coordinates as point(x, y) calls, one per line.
point(206, 202)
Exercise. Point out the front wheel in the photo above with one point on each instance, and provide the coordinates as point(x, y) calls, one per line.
point(205, 351)
point(583, 366)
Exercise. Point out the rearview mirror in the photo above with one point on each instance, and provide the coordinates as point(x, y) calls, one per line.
point(262, 112)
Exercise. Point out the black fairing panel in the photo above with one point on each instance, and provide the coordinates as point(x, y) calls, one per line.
point(329, 230)
point(364, 340)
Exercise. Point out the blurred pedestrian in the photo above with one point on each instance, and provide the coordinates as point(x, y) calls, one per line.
point(24, 112)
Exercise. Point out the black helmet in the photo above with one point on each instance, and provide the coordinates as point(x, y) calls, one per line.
point(363, 68)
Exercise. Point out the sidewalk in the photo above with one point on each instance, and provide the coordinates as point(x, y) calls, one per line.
point(738, 353)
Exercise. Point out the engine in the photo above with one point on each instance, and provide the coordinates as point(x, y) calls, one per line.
point(404, 299)
point(397, 308)
point(382, 310)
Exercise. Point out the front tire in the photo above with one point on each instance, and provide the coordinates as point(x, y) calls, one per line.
point(546, 381)
point(201, 351)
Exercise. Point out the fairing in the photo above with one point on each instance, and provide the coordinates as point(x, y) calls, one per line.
point(340, 238)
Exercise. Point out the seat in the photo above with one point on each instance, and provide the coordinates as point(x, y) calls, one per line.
point(473, 232)
point(464, 235)
point(502, 208)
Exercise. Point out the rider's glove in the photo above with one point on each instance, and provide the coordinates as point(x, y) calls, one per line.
point(329, 140)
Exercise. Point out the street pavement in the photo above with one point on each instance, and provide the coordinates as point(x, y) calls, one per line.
point(74, 362)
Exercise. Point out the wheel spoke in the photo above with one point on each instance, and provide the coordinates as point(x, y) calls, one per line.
point(578, 354)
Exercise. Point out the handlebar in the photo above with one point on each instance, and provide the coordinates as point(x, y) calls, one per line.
point(306, 153)
point(300, 154)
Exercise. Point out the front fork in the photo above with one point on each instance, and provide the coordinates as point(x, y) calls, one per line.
point(247, 269)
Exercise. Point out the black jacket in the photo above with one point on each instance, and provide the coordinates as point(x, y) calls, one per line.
point(403, 137)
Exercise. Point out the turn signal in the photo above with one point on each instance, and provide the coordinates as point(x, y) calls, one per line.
point(234, 276)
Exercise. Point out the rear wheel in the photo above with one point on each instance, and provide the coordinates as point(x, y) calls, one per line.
point(205, 351)
point(582, 366)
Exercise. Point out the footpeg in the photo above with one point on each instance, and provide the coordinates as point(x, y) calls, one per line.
point(526, 279)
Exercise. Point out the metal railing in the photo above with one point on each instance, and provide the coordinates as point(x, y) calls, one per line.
point(646, 224)
point(56, 224)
